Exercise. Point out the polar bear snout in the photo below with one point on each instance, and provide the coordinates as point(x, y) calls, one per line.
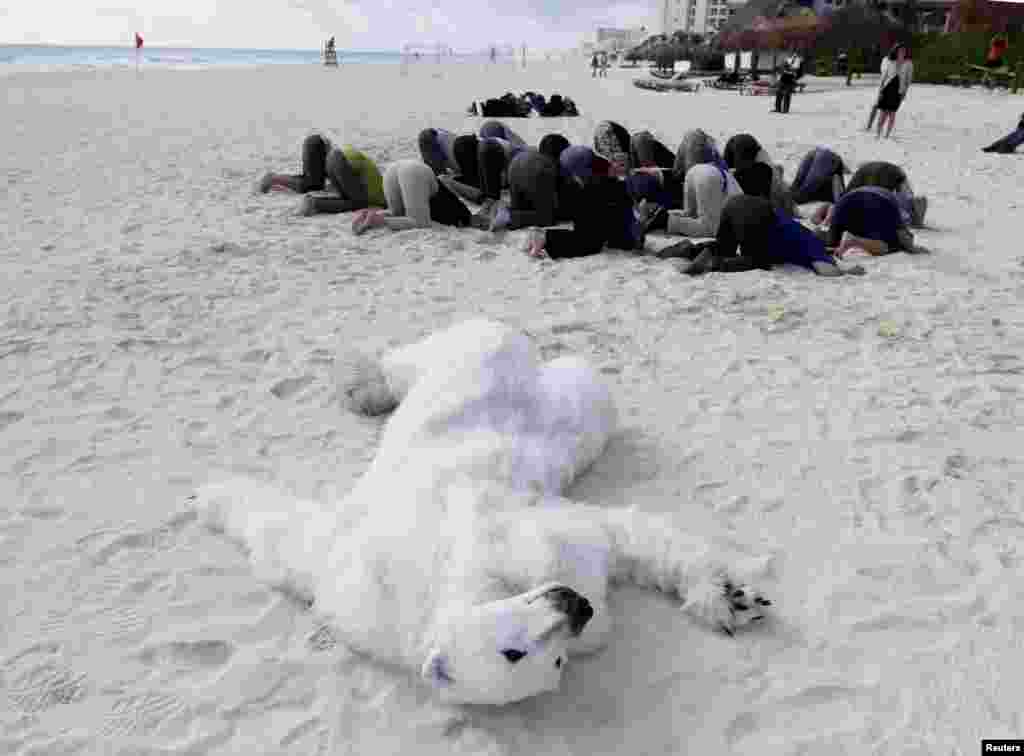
point(567, 601)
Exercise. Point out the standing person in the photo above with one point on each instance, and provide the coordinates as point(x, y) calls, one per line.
point(593, 66)
point(784, 89)
point(893, 88)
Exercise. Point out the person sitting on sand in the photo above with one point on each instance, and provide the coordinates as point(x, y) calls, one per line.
point(890, 176)
point(869, 219)
point(819, 177)
point(1009, 143)
point(611, 140)
point(354, 178)
point(764, 238)
point(602, 215)
point(415, 197)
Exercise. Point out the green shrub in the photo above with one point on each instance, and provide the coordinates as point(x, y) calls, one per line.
point(938, 56)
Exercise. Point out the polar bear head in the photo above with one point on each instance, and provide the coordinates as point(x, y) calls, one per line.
point(507, 650)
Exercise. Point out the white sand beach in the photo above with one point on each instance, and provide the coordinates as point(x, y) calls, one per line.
point(164, 327)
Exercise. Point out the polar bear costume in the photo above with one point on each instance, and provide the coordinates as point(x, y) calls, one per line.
point(455, 554)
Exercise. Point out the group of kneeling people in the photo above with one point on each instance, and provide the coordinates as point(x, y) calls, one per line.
point(616, 192)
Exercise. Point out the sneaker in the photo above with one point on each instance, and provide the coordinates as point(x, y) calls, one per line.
point(501, 217)
point(364, 221)
point(307, 206)
point(681, 248)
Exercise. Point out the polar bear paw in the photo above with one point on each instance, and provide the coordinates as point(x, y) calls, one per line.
point(362, 385)
point(725, 605)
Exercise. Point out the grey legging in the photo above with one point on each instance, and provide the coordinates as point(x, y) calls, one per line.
point(408, 187)
point(705, 191)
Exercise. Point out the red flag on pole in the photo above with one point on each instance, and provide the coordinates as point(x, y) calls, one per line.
point(138, 40)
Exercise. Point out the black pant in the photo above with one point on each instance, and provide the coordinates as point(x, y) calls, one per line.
point(493, 162)
point(533, 189)
point(783, 96)
point(746, 222)
point(320, 165)
point(603, 215)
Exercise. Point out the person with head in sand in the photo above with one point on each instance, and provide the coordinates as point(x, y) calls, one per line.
point(1009, 143)
point(764, 238)
point(602, 211)
point(868, 220)
point(354, 178)
point(414, 198)
point(819, 177)
point(892, 177)
point(707, 184)
point(537, 190)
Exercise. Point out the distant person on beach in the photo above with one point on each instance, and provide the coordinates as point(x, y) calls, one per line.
point(602, 214)
point(354, 179)
point(415, 197)
point(784, 89)
point(752, 235)
point(890, 176)
point(897, 76)
point(819, 177)
point(996, 57)
point(594, 65)
point(1009, 143)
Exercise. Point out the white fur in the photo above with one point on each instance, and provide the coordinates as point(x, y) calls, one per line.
point(462, 523)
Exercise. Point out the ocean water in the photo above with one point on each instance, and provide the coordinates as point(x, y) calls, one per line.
point(52, 56)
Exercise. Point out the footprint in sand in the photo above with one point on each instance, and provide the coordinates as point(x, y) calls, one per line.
point(38, 679)
point(10, 418)
point(800, 715)
point(288, 387)
point(104, 545)
point(199, 653)
point(141, 713)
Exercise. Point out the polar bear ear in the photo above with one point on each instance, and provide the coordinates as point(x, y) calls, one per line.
point(436, 669)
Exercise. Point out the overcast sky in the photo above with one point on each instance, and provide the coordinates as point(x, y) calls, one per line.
point(301, 24)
